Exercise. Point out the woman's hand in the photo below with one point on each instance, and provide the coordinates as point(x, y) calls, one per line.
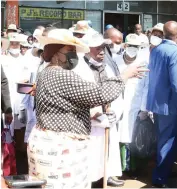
point(136, 71)
point(32, 92)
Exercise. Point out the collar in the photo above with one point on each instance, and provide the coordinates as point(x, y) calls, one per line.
point(169, 41)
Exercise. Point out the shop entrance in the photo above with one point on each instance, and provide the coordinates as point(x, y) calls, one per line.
point(124, 22)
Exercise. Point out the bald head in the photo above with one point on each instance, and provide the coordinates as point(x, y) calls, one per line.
point(138, 29)
point(170, 30)
point(114, 35)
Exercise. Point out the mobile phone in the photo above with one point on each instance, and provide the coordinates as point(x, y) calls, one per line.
point(23, 181)
point(24, 88)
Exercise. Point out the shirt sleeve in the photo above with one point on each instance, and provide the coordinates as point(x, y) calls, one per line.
point(5, 95)
point(145, 93)
point(173, 72)
point(89, 94)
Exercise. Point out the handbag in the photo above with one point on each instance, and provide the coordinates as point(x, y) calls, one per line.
point(8, 153)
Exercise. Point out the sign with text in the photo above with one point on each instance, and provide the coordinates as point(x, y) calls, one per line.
point(123, 6)
point(42, 13)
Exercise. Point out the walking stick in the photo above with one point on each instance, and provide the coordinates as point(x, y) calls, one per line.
point(106, 148)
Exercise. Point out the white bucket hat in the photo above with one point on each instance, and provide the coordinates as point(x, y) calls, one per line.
point(158, 27)
point(133, 39)
point(12, 27)
point(62, 36)
point(95, 40)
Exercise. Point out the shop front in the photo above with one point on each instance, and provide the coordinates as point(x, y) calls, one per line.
point(31, 17)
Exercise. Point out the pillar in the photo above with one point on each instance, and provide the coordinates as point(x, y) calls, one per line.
point(12, 13)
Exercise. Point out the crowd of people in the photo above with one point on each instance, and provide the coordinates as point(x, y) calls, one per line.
point(85, 82)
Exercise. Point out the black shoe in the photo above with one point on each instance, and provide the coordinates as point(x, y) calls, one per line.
point(112, 182)
point(160, 186)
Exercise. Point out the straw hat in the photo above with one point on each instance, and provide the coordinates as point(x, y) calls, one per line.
point(62, 36)
point(133, 39)
point(95, 40)
point(158, 27)
point(81, 27)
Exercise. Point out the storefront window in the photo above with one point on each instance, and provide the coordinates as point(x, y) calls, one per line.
point(96, 18)
point(62, 18)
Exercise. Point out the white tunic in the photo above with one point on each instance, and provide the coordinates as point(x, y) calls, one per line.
point(133, 101)
point(15, 71)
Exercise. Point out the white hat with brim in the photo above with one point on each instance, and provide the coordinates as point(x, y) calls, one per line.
point(5, 43)
point(12, 27)
point(64, 37)
point(95, 40)
point(158, 27)
point(82, 27)
point(15, 37)
point(133, 39)
point(37, 32)
point(24, 41)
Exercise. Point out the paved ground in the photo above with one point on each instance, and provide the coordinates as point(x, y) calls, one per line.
point(143, 181)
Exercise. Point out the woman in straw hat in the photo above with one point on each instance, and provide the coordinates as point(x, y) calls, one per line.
point(58, 145)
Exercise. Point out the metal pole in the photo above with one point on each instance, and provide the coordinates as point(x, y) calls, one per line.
point(157, 11)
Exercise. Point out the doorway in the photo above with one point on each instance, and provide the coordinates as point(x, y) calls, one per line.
point(123, 22)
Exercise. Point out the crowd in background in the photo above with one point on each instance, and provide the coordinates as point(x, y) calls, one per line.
point(114, 92)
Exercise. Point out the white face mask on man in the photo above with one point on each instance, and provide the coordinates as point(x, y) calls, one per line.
point(116, 48)
point(131, 51)
point(154, 40)
point(14, 51)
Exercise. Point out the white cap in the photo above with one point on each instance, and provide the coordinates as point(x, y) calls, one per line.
point(12, 27)
point(37, 32)
point(133, 39)
point(158, 27)
point(15, 37)
point(95, 40)
point(24, 41)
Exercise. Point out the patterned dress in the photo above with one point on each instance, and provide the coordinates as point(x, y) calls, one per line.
point(63, 124)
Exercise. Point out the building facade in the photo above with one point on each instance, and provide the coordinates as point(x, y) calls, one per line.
point(122, 14)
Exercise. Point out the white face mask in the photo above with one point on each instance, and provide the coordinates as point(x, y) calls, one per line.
point(131, 51)
point(14, 51)
point(116, 48)
point(154, 40)
point(37, 45)
point(95, 63)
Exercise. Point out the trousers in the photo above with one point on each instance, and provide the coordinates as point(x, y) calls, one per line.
point(166, 147)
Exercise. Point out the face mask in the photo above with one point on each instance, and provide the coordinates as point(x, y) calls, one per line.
point(116, 48)
point(131, 51)
point(72, 60)
point(95, 63)
point(14, 51)
point(37, 45)
point(154, 40)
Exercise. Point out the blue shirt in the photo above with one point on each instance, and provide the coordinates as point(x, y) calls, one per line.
point(162, 92)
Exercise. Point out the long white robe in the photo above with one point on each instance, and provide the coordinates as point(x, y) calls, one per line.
point(16, 71)
point(133, 100)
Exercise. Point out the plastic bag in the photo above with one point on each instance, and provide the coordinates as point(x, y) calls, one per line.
point(144, 138)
